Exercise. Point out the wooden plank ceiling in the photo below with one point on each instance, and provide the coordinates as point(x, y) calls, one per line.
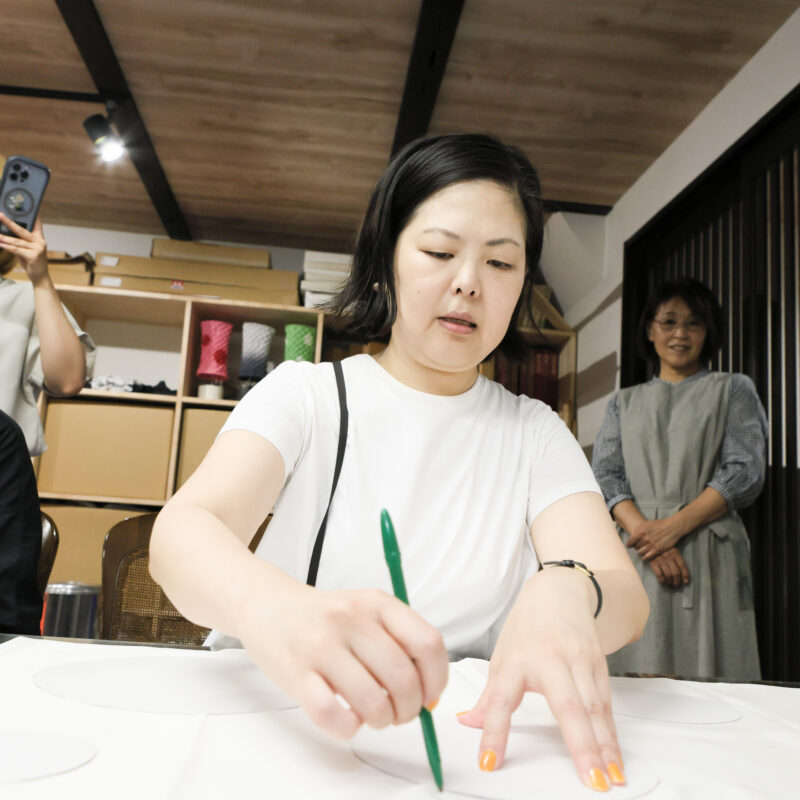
point(272, 120)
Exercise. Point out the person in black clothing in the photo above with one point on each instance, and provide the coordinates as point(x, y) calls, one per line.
point(20, 534)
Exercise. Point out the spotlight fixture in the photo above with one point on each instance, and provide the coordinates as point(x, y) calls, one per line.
point(104, 139)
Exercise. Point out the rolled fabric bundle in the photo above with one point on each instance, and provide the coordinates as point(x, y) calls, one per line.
point(214, 344)
point(256, 341)
point(300, 342)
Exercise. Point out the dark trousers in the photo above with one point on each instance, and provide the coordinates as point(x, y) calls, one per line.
point(20, 533)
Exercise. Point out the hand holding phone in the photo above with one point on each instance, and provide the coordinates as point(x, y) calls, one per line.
point(22, 188)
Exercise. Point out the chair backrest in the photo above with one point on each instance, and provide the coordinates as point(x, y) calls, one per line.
point(47, 556)
point(135, 608)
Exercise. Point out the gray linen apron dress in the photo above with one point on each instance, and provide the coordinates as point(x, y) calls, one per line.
point(671, 438)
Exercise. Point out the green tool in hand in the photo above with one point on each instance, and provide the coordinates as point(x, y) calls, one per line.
point(392, 553)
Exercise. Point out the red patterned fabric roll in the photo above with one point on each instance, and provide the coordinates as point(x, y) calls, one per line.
point(214, 344)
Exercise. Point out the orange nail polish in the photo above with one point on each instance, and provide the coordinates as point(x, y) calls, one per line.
point(459, 713)
point(488, 760)
point(432, 705)
point(596, 780)
point(616, 774)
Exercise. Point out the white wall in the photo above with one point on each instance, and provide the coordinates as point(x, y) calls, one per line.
point(572, 255)
point(765, 80)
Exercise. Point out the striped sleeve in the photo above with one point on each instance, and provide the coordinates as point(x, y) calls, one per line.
point(607, 461)
point(742, 458)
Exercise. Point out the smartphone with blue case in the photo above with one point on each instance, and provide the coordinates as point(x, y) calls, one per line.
point(21, 191)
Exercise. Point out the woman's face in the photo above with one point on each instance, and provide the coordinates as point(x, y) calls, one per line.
point(678, 336)
point(459, 267)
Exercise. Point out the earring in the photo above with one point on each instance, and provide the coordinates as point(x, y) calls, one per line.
point(375, 286)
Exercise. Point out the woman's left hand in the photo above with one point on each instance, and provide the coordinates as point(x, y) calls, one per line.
point(652, 537)
point(550, 645)
point(29, 247)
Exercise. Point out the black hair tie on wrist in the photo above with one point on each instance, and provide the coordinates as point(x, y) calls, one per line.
point(586, 571)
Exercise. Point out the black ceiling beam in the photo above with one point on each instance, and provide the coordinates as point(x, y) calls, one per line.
point(552, 206)
point(51, 94)
point(436, 29)
point(93, 44)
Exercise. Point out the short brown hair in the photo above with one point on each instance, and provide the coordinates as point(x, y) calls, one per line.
point(6, 261)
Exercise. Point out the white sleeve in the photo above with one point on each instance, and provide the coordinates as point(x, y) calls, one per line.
point(558, 464)
point(278, 408)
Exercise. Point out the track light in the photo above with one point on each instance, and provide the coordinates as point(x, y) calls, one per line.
point(104, 139)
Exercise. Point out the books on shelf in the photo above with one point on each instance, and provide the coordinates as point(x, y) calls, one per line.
point(323, 276)
point(310, 285)
point(535, 376)
point(316, 299)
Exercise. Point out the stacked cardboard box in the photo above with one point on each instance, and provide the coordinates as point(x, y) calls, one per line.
point(323, 276)
point(198, 278)
point(63, 268)
point(211, 253)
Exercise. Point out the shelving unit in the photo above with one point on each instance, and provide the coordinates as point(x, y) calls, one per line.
point(158, 440)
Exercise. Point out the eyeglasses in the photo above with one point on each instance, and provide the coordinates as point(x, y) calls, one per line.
point(691, 327)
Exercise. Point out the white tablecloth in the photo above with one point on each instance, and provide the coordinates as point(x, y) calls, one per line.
point(282, 755)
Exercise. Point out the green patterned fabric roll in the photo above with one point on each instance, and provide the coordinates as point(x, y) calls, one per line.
point(300, 342)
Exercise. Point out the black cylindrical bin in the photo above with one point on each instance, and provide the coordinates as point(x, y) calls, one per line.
point(71, 610)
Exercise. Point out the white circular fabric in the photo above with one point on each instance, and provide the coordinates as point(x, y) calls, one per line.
point(28, 755)
point(203, 683)
point(536, 765)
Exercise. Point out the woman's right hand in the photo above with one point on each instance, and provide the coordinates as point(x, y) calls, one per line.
point(367, 647)
point(670, 568)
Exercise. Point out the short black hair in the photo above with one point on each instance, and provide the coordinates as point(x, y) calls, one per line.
point(6, 261)
point(422, 168)
point(701, 302)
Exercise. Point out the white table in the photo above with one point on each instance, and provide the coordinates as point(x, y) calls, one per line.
point(282, 755)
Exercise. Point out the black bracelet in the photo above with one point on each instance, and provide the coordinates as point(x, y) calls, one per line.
point(586, 571)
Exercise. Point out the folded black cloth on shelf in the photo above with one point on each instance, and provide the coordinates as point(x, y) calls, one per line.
point(114, 383)
point(159, 388)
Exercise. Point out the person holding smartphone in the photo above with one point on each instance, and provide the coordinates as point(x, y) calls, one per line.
point(41, 347)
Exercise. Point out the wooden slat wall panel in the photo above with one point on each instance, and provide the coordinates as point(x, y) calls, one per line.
point(37, 50)
point(594, 89)
point(272, 121)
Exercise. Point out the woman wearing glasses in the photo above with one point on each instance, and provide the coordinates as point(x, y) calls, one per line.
point(676, 458)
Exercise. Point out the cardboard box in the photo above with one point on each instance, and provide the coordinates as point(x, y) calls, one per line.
point(215, 291)
point(200, 428)
point(73, 273)
point(106, 449)
point(197, 271)
point(212, 253)
point(192, 277)
point(81, 533)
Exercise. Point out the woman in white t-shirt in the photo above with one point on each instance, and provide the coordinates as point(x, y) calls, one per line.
point(483, 486)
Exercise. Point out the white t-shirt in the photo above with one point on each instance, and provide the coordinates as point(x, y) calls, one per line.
point(463, 477)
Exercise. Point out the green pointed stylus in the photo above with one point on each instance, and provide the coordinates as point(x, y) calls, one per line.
point(392, 554)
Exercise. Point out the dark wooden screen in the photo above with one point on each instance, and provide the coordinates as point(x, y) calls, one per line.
point(737, 229)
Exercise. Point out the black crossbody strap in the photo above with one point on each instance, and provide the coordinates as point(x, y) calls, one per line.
point(311, 580)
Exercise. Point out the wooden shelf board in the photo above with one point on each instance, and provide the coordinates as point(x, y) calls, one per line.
point(543, 305)
point(101, 394)
point(95, 302)
point(195, 402)
point(238, 311)
point(93, 498)
point(547, 335)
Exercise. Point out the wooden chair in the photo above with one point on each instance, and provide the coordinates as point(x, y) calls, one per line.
point(48, 554)
point(135, 608)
